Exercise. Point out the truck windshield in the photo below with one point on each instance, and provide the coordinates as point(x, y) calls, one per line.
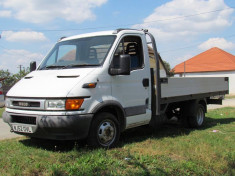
point(90, 51)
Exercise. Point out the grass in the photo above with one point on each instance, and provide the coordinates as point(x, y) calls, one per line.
point(229, 96)
point(1, 111)
point(172, 150)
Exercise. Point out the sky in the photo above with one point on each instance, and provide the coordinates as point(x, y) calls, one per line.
point(182, 28)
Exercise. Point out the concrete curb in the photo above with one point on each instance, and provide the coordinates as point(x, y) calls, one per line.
point(5, 131)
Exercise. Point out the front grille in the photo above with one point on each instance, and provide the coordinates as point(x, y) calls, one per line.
point(24, 119)
point(25, 104)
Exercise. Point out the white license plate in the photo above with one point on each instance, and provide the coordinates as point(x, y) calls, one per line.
point(23, 129)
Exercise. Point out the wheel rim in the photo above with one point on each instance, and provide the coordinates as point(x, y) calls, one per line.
point(106, 132)
point(200, 116)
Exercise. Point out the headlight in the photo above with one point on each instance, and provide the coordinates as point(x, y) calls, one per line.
point(7, 103)
point(69, 104)
point(55, 104)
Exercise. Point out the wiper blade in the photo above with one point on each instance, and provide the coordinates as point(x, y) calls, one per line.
point(80, 65)
point(68, 66)
point(53, 66)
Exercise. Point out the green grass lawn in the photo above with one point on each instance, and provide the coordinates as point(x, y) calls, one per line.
point(1, 111)
point(172, 150)
point(229, 96)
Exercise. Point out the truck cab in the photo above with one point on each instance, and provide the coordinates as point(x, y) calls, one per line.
point(80, 87)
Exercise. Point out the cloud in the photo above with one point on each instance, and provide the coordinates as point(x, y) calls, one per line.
point(116, 13)
point(216, 42)
point(11, 59)
point(23, 36)
point(5, 13)
point(41, 11)
point(185, 18)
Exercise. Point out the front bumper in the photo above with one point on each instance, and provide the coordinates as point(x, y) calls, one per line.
point(66, 127)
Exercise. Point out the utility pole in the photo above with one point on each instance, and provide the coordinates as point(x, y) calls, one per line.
point(20, 66)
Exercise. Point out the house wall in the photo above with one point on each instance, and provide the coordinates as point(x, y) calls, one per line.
point(230, 74)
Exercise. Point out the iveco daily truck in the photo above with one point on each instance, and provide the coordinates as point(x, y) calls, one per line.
point(97, 85)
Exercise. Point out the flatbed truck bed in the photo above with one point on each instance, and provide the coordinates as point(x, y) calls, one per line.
point(181, 89)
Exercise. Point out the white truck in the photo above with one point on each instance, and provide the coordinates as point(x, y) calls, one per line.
point(97, 85)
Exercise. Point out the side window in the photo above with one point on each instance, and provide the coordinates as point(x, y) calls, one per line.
point(131, 45)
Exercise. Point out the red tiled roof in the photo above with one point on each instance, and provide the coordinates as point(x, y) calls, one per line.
point(212, 60)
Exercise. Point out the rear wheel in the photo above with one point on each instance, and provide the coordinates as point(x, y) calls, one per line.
point(104, 131)
point(197, 117)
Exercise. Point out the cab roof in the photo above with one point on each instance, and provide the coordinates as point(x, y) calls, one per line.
point(103, 33)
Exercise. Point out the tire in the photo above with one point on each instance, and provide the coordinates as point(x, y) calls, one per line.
point(104, 131)
point(197, 117)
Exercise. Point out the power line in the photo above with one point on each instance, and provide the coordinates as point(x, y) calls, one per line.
point(102, 27)
point(115, 26)
point(164, 51)
point(192, 15)
point(193, 45)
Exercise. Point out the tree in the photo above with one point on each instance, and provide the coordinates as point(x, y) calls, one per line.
point(167, 67)
point(21, 74)
point(10, 79)
point(171, 72)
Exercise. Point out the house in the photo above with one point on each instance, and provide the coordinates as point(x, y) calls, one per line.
point(211, 63)
point(152, 60)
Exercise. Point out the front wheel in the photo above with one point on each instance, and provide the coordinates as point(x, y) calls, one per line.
point(104, 131)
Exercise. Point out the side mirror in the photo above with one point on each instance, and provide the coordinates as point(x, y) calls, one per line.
point(32, 66)
point(121, 65)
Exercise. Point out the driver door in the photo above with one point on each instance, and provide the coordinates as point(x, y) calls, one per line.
point(132, 91)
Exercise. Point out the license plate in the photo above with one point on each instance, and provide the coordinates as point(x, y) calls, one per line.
point(23, 129)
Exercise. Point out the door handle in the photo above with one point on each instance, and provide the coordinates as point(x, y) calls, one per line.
point(145, 82)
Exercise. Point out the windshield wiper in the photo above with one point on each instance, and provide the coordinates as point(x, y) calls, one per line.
point(80, 65)
point(52, 66)
point(68, 66)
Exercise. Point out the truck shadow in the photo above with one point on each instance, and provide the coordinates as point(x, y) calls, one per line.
point(171, 129)
point(54, 145)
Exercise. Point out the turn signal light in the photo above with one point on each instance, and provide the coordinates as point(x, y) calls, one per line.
point(89, 85)
point(73, 104)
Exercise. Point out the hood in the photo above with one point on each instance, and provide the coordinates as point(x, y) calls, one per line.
point(48, 83)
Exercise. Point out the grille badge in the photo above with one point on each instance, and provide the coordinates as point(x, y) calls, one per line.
point(24, 104)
